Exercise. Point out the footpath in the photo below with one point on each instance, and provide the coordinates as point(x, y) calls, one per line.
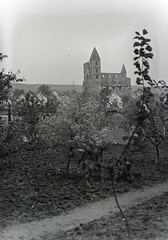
point(36, 229)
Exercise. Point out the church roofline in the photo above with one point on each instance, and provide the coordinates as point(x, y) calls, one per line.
point(110, 73)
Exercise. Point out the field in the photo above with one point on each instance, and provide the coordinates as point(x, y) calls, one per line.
point(58, 87)
point(34, 87)
point(34, 184)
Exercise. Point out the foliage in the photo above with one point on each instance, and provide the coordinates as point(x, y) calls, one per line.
point(109, 99)
point(54, 130)
point(141, 106)
point(130, 112)
point(146, 112)
point(5, 81)
point(12, 134)
point(29, 111)
point(3, 130)
point(141, 109)
point(78, 120)
point(17, 93)
point(125, 99)
point(154, 130)
point(50, 107)
point(116, 120)
point(147, 120)
point(104, 95)
point(143, 52)
point(162, 101)
point(48, 99)
point(153, 121)
point(45, 89)
point(84, 114)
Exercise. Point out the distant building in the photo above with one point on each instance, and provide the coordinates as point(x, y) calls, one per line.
point(43, 99)
point(65, 100)
point(5, 111)
point(95, 80)
point(56, 94)
point(115, 100)
point(20, 98)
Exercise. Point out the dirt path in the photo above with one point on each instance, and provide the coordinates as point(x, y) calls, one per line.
point(35, 230)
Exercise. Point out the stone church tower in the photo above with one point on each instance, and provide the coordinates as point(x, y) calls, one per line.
point(95, 80)
point(92, 73)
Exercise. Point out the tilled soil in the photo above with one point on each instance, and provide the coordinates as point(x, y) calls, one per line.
point(148, 220)
point(34, 184)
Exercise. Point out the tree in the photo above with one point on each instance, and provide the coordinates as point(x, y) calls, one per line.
point(141, 105)
point(5, 80)
point(126, 99)
point(45, 89)
point(104, 95)
point(77, 124)
point(82, 117)
point(29, 111)
point(17, 93)
point(154, 132)
point(145, 112)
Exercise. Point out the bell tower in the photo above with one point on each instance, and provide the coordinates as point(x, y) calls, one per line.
point(95, 70)
point(123, 72)
point(92, 73)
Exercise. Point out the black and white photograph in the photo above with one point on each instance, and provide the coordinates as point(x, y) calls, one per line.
point(83, 120)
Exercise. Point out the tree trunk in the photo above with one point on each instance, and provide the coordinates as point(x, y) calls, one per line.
point(157, 154)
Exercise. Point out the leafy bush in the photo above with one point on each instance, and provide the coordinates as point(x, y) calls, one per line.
point(54, 130)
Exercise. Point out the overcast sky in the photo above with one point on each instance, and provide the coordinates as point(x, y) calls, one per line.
point(49, 40)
